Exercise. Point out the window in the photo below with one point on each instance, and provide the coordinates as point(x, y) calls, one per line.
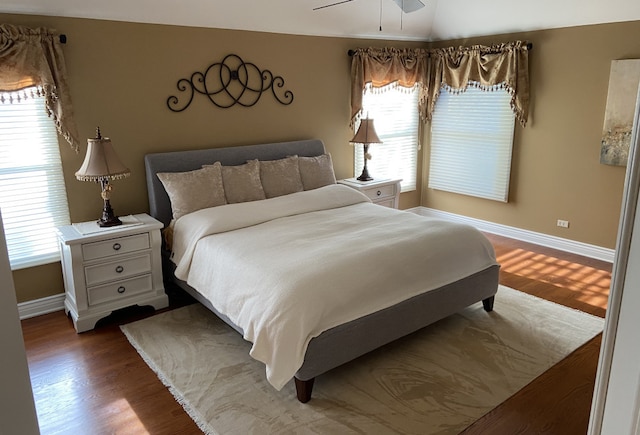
point(395, 114)
point(471, 143)
point(33, 198)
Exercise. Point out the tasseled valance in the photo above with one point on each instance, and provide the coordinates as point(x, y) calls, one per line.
point(31, 60)
point(504, 66)
point(382, 67)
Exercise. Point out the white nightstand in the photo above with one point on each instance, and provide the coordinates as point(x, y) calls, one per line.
point(106, 269)
point(381, 192)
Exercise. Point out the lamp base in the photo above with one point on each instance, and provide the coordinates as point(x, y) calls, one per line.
point(365, 172)
point(365, 175)
point(112, 222)
point(108, 219)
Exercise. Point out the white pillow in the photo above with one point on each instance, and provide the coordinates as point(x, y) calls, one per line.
point(194, 190)
point(316, 171)
point(242, 183)
point(280, 177)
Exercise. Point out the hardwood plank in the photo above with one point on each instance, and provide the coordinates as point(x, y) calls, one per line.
point(97, 383)
point(558, 401)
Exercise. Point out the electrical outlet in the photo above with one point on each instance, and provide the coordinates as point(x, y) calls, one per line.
point(562, 223)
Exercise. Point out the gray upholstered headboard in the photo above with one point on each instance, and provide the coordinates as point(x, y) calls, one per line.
point(181, 161)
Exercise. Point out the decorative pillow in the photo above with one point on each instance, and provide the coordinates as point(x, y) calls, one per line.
point(316, 171)
point(193, 190)
point(280, 177)
point(242, 183)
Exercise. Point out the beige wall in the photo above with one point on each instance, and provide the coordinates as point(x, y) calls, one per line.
point(556, 172)
point(122, 73)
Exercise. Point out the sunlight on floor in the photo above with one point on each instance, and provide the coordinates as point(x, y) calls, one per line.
point(63, 384)
point(121, 416)
point(592, 284)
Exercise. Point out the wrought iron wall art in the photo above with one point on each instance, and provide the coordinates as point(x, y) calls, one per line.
point(230, 82)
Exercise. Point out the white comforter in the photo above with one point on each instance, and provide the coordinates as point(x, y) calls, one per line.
point(288, 268)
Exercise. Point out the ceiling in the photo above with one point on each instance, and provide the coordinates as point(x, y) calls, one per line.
point(438, 20)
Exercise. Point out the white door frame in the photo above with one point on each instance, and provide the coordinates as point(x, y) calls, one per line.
point(616, 400)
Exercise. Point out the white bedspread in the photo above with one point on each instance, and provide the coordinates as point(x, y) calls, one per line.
point(288, 268)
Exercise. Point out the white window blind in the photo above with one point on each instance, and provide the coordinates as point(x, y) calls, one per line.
point(33, 198)
point(471, 143)
point(395, 116)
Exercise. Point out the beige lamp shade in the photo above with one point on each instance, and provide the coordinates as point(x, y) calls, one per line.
point(366, 133)
point(101, 162)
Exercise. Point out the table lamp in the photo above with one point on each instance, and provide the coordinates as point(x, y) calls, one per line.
point(101, 164)
point(365, 135)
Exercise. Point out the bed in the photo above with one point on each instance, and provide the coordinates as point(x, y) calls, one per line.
point(317, 277)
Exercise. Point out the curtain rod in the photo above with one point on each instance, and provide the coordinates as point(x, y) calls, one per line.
point(529, 47)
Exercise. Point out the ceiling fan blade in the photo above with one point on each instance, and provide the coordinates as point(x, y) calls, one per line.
point(333, 4)
point(409, 5)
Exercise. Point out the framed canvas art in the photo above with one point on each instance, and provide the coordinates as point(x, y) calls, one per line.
point(618, 119)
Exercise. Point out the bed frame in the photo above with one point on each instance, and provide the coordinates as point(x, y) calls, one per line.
point(345, 342)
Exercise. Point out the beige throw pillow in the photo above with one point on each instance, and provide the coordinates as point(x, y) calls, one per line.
point(242, 183)
point(193, 190)
point(316, 171)
point(280, 177)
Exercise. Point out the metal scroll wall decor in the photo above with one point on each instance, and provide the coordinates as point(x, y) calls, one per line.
point(230, 82)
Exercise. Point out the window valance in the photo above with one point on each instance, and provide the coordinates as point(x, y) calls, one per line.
point(381, 67)
point(486, 67)
point(33, 58)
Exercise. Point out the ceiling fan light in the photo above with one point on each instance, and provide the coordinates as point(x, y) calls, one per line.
point(409, 5)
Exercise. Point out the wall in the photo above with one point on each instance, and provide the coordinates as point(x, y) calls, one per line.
point(121, 75)
point(556, 172)
point(18, 411)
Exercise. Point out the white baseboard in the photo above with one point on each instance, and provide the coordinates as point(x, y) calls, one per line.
point(554, 242)
point(41, 306)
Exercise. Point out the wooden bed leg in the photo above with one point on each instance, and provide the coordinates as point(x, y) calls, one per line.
point(303, 389)
point(488, 304)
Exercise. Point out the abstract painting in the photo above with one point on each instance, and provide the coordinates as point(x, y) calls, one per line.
point(618, 119)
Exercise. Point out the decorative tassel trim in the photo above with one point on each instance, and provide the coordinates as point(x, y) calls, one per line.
point(21, 94)
point(391, 86)
point(487, 88)
point(102, 177)
point(423, 98)
point(50, 94)
point(51, 101)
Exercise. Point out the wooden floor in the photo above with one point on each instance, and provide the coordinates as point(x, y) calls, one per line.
point(96, 383)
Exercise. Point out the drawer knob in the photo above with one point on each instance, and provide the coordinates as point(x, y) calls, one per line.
point(119, 269)
point(117, 246)
point(121, 289)
point(378, 193)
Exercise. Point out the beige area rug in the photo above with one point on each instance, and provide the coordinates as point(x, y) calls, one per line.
point(436, 381)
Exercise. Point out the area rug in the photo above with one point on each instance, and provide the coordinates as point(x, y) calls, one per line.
point(438, 380)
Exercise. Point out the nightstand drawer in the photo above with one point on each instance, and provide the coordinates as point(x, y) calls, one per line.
point(119, 290)
point(381, 192)
point(120, 245)
point(118, 269)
